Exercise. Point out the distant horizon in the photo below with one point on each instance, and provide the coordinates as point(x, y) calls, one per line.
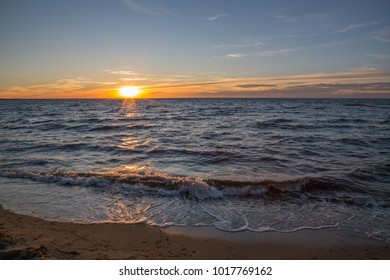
point(152, 98)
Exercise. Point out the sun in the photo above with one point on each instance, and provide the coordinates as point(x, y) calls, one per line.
point(129, 91)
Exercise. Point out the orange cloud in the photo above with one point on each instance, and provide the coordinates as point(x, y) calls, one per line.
point(363, 81)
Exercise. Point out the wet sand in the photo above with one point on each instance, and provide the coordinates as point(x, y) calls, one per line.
point(25, 237)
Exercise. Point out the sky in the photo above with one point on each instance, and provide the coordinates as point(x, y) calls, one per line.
point(190, 49)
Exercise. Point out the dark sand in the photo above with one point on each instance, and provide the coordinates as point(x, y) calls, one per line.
point(24, 237)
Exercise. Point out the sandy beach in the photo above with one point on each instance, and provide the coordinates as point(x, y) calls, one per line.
point(24, 237)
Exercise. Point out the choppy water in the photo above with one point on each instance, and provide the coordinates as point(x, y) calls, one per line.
point(235, 164)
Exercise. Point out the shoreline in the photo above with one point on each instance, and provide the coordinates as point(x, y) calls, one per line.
point(25, 237)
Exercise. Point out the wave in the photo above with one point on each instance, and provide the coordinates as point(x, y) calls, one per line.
point(357, 104)
point(155, 183)
point(135, 195)
point(107, 127)
point(210, 156)
point(116, 127)
point(271, 123)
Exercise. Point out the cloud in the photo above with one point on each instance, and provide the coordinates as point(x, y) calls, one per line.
point(356, 26)
point(233, 46)
point(349, 28)
point(236, 55)
point(329, 90)
point(280, 16)
point(277, 52)
point(255, 85)
point(387, 40)
point(71, 84)
point(63, 88)
point(263, 53)
point(133, 79)
point(130, 75)
point(357, 82)
point(287, 36)
point(364, 83)
point(216, 17)
point(363, 68)
point(383, 35)
point(285, 18)
point(379, 56)
point(122, 72)
point(321, 90)
point(148, 9)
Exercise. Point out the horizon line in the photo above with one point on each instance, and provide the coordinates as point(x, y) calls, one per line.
point(146, 98)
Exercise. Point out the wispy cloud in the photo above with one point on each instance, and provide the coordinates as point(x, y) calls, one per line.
point(123, 72)
point(129, 75)
point(356, 26)
point(387, 40)
point(280, 16)
point(367, 82)
point(263, 53)
point(277, 52)
point(236, 55)
point(71, 84)
point(363, 69)
point(383, 35)
point(287, 36)
point(256, 86)
point(147, 8)
point(284, 18)
point(358, 82)
point(133, 79)
point(216, 17)
point(65, 88)
point(350, 27)
point(249, 45)
point(379, 56)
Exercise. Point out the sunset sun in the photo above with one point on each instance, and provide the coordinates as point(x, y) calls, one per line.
point(129, 91)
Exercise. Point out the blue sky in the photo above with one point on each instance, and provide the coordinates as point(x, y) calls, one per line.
point(179, 48)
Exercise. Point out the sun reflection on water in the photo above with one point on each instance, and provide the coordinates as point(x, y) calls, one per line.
point(132, 143)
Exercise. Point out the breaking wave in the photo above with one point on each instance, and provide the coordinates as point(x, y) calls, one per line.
point(148, 182)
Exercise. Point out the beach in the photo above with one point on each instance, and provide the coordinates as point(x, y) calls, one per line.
point(25, 237)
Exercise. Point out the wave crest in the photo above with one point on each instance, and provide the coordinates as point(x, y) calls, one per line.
point(145, 181)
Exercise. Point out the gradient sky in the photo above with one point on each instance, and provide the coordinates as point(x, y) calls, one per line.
point(202, 48)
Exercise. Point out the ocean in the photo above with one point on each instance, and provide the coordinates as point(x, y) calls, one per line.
point(233, 164)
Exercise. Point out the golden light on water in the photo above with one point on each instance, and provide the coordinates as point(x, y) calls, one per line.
point(129, 91)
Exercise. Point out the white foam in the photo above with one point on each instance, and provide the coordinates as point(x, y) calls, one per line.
point(104, 197)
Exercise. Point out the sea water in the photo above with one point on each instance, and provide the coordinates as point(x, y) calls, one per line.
point(234, 164)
